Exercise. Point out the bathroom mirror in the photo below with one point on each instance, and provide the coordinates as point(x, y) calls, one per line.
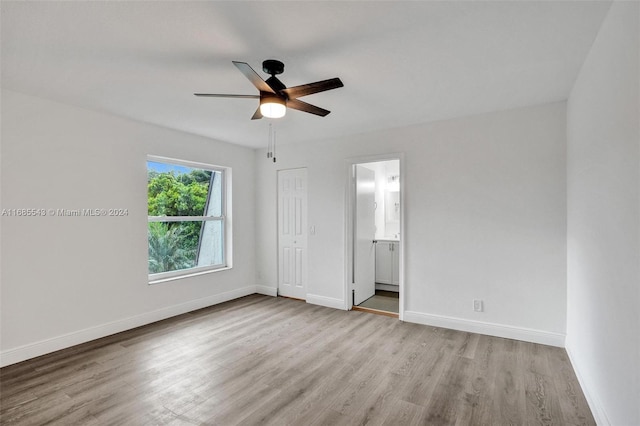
point(392, 206)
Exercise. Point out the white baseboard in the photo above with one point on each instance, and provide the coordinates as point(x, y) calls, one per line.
point(498, 330)
point(329, 302)
point(42, 347)
point(599, 415)
point(266, 290)
point(388, 287)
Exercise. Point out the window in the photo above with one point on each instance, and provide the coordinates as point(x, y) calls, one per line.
point(188, 218)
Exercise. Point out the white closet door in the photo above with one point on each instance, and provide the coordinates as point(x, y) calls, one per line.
point(292, 233)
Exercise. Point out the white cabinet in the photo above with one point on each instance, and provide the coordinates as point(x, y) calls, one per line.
point(388, 262)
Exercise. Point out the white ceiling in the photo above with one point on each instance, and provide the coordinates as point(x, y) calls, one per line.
point(401, 62)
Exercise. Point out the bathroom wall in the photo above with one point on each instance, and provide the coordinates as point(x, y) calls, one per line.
point(392, 199)
point(387, 215)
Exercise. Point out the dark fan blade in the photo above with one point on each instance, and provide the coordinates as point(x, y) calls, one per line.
point(303, 106)
point(311, 88)
point(257, 115)
point(217, 95)
point(253, 76)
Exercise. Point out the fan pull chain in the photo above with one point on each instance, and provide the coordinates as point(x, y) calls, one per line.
point(270, 143)
point(271, 146)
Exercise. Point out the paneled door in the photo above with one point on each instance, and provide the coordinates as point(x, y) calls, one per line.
point(292, 233)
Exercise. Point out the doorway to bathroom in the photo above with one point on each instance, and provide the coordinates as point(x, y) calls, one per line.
point(374, 236)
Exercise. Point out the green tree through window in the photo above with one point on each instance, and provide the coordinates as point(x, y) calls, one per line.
point(186, 217)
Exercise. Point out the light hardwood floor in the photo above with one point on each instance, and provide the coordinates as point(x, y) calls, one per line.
point(265, 360)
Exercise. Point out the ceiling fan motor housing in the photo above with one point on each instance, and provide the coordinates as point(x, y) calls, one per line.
point(272, 67)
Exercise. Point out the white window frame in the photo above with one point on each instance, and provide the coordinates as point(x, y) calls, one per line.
point(225, 218)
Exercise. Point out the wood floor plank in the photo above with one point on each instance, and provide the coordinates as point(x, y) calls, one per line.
point(381, 402)
point(477, 402)
point(509, 386)
point(469, 345)
point(264, 360)
point(542, 398)
point(573, 402)
point(433, 363)
point(317, 400)
point(404, 413)
point(235, 408)
point(332, 418)
point(359, 387)
point(444, 401)
point(295, 398)
point(542, 407)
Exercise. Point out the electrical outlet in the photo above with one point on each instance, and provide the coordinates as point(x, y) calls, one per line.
point(478, 305)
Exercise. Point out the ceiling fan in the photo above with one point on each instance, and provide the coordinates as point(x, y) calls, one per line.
point(274, 96)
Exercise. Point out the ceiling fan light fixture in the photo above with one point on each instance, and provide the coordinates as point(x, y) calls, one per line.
point(272, 107)
point(275, 97)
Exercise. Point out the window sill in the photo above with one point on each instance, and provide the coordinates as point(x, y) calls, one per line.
point(187, 275)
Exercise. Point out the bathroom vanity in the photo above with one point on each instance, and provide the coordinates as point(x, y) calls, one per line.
point(388, 264)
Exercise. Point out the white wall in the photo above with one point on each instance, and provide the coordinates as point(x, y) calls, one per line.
point(485, 200)
point(603, 320)
point(72, 279)
point(485, 218)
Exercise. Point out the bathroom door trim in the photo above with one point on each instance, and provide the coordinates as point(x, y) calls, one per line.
point(349, 228)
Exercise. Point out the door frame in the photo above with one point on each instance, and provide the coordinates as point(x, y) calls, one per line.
point(349, 225)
